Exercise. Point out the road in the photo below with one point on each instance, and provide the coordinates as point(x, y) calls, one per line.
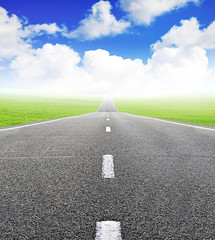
point(145, 179)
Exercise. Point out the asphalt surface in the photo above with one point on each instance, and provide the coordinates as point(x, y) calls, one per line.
point(51, 184)
point(107, 105)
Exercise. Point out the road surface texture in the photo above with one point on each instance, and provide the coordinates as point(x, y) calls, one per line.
point(53, 184)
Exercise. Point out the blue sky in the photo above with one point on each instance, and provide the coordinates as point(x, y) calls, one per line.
point(130, 37)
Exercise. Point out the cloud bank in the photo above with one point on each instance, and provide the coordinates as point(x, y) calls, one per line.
point(179, 63)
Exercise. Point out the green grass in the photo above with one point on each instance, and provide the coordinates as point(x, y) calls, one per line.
point(18, 110)
point(191, 110)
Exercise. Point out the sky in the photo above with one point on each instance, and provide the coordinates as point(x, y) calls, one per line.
point(121, 48)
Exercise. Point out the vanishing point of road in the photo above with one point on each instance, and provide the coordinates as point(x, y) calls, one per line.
point(107, 176)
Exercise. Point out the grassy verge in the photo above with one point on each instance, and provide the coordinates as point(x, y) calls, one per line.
point(18, 110)
point(191, 110)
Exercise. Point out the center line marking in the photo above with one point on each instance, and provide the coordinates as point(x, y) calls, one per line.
point(108, 167)
point(108, 129)
point(108, 119)
point(108, 230)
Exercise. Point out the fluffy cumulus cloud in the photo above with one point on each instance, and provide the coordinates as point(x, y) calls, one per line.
point(100, 22)
point(52, 68)
point(188, 35)
point(145, 11)
point(180, 58)
point(177, 69)
point(11, 35)
point(56, 68)
point(118, 75)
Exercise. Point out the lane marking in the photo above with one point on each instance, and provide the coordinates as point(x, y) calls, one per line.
point(169, 121)
point(108, 167)
point(108, 119)
point(108, 129)
point(44, 122)
point(108, 230)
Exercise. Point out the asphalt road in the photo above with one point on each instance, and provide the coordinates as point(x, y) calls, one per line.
point(52, 187)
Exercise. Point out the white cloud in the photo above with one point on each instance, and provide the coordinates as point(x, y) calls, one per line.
point(39, 29)
point(46, 65)
point(188, 34)
point(119, 76)
point(145, 11)
point(169, 70)
point(11, 35)
point(179, 64)
point(55, 68)
point(100, 22)
point(180, 59)
point(177, 69)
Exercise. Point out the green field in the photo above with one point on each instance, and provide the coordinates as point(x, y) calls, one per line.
point(17, 110)
point(191, 110)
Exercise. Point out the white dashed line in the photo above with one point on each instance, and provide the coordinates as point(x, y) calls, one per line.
point(108, 230)
point(108, 167)
point(108, 119)
point(108, 129)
